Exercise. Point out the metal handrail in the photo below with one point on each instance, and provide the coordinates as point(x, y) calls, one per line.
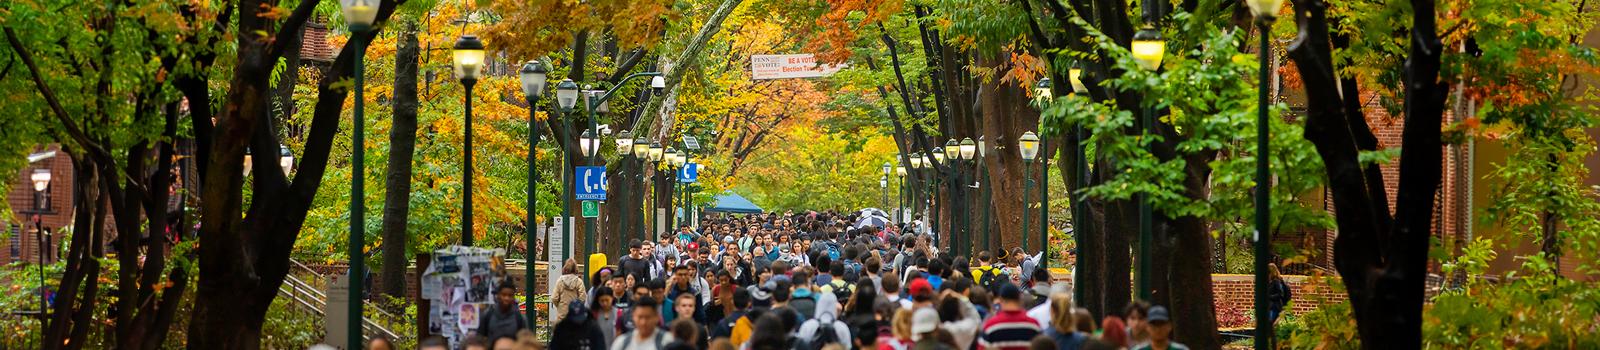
point(315, 300)
point(321, 276)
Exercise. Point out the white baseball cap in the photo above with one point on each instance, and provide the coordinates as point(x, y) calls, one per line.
point(924, 320)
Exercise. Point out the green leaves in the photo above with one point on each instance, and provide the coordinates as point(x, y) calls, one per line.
point(1210, 116)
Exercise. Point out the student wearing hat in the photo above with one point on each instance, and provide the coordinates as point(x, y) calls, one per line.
point(927, 333)
point(921, 294)
point(1160, 324)
point(1010, 328)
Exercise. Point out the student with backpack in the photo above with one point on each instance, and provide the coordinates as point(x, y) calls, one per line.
point(837, 286)
point(825, 327)
point(986, 274)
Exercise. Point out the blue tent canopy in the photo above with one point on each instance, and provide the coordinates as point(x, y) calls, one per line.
point(729, 202)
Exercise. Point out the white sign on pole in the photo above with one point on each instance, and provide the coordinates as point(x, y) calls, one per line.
point(789, 66)
point(661, 221)
point(557, 255)
point(557, 243)
point(337, 310)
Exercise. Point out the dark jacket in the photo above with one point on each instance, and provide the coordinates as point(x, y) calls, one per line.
point(571, 335)
point(494, 322)
point(639, 268)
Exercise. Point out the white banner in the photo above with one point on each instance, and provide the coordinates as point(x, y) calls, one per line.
point(789, 66)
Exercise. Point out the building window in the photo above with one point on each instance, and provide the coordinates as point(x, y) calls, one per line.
point(16, 243)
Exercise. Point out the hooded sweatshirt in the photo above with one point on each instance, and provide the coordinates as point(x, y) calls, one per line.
point(826, 319)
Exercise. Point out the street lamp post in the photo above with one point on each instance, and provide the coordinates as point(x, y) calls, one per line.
point(1080, 207)
point(468, 62)
point(359, 14)
point(883, 185)
point(41, 182)
point(983, 186)
point(533, 76)
point(670, 160)
point(900, 194)
point(596, 102)
point(1265, 12)
point(566, 99)
point(683, 188)
point(653, 160)
point(589, 144)
point(1148, 48)
point(641, 150)
point(939, 177)
point(957, 202)
point(967, 151)
point(1028, 144)
point(625, 150)
point(915, 191)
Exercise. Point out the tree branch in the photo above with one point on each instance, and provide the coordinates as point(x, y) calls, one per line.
point(50, 97)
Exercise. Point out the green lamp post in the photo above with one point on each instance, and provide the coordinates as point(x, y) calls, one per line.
point(359, 14)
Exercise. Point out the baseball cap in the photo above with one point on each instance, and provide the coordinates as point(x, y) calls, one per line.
point(924, 320)
point(1010, 291)
point(921, 286)
point(1159, 314)
point(694, 245)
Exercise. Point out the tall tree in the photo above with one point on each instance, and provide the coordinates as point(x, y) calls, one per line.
point(107, 75)
point(1382, 256)
point(397, 182)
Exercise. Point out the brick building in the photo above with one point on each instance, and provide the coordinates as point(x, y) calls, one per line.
point(51, 208)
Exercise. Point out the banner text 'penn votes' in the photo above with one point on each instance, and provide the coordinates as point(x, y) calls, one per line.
point(789, 66)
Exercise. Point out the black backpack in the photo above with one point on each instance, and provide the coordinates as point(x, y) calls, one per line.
point(991, 277)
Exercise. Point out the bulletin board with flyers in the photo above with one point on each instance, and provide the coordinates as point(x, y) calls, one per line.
point(460, 282)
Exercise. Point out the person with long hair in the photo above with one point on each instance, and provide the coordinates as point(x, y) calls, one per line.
point(769, 334)
point(603, 310)
point(861, 316)
point(899, 337)
point(569, 288)
point(1063, 323)
point(1278, 293)
point(958, 317)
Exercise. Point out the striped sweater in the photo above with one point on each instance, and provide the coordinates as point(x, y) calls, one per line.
point(1008, 330)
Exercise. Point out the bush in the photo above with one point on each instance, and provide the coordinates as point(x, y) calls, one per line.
point(1330, 327)
point(1540, 311)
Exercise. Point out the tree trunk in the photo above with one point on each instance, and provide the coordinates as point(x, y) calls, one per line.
point(246, 254)
point(1382, 258)
point(397, 180)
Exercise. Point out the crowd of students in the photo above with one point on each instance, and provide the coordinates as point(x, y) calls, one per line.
point(814, 282)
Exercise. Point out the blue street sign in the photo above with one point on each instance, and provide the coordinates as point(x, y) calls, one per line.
point(690, 173)
point(591, 183)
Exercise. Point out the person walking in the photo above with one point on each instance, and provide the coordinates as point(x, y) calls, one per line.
point(503, 319)
point(1161, 331)
point(737, 325)
point(926, 333)
point(1010, 328)
point(569, 289)
point(1064, 323)
point(825, 328)
point(1278, 293)
point(603, 308)
point(578, 331)
point(957, 316)
point(634, 264)
point(647, 334)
